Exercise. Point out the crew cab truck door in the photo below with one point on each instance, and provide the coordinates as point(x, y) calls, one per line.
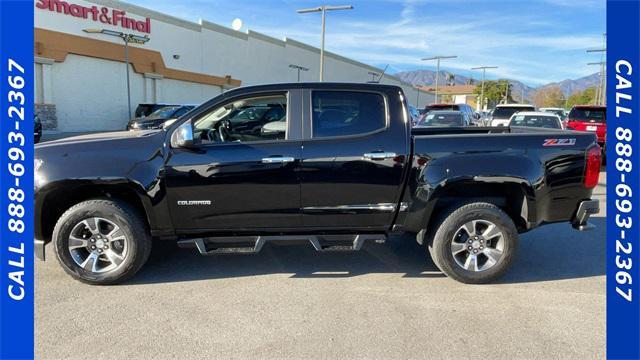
point(355, 153)
point(240, 176)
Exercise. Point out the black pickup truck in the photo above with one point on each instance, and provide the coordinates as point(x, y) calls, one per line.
point(334, 164)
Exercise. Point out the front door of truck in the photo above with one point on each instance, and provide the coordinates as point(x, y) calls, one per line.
point(354, 154)
point(244, 174)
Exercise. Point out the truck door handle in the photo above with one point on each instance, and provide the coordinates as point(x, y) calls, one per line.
point(277, 160)
point(379, 155)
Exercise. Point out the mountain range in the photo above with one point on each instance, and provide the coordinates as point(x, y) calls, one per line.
point(568, 86)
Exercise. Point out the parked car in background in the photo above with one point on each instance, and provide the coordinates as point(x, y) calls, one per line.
point(37, 129)
point(444, 118)
point(146, 109)
point(538, 119)
point(415, 115)
point(156, 119)
point(485, 117)
point(590, 118)
point(503, 112)
point(562, 113)
point(466, 110)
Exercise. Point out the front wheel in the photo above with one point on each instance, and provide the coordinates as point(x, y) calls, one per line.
point(101, 241)
point(475, 244)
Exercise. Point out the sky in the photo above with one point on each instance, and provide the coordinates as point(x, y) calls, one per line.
point(534, 41)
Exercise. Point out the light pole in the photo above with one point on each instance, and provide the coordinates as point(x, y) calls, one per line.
point(323, 9)
point(484, 70)
point(602, 86)
point(418, 96)
point(506, 91)
point(374, 75)
point(299, 68)
point(438, 58)
point(128, 38)
point(599, 96)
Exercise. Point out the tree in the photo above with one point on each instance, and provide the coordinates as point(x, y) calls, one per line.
point(585, 97)
point(451, 79)
point(494, 91)
point(549, 97)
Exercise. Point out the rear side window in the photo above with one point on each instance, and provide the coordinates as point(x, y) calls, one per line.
point(342, 113)
point(588, 115)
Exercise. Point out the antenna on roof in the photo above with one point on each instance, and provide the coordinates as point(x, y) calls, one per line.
point(374, 74)
point(383, 71)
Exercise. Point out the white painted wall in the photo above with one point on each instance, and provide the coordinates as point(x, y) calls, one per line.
point(90, 94)
point(182, 92)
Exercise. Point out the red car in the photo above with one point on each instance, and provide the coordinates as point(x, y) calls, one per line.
point(590, 118)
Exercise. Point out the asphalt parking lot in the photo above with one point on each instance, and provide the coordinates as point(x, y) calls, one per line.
point(385, 302)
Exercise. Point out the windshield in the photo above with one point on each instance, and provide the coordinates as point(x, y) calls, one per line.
point(550, 122)
point(435, 119)
point(505, 112)
point(164, 112)
point(588, 115)
point(554, 111)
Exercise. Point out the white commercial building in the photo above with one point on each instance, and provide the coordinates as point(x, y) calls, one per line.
point(81, 78)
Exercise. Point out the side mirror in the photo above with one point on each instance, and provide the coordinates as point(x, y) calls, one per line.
point(183, 136)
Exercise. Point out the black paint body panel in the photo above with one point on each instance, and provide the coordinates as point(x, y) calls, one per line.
point(329, 185)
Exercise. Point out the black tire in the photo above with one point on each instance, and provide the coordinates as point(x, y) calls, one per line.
point(130, 222)
point(439, 244)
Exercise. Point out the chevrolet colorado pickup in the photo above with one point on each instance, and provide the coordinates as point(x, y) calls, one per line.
point(333, 164)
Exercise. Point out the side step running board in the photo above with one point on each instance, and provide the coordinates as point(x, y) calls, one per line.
point(253, 244)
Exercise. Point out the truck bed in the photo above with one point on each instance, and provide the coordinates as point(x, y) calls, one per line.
point(418, 131)
point(542, 168)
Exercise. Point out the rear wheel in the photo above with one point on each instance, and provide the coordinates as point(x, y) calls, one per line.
point(101, 241)
point(475, 243)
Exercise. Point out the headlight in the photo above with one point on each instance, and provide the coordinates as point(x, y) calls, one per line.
point(38, 178)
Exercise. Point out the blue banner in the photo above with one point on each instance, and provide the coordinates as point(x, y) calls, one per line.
point(16, 179)
point(623, 182)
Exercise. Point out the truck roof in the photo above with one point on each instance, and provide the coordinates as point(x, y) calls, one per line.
point(589, 107)
point(315, 85)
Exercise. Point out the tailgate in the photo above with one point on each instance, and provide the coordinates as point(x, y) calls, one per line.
point(598, 128)
point(563, 155)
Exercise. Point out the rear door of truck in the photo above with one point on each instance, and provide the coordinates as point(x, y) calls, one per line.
point(355, 153)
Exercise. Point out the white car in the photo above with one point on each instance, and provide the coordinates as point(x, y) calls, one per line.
point(537, 119)
point(562, 113)
point(502, 113)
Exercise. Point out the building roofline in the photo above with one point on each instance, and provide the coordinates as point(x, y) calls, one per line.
point(205, 24)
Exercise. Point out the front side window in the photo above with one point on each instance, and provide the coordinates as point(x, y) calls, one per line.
point(342, 113)
point(245, 120)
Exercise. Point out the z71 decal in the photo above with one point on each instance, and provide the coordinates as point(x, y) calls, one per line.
point(559, 142)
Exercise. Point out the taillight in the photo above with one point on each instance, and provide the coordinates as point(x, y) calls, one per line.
point(592, 170)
